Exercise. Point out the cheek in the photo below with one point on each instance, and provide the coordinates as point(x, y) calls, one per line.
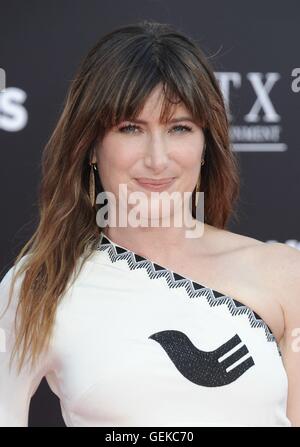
point(189, 158)
point(115, 164)
point(117, 156)
point(125, 158)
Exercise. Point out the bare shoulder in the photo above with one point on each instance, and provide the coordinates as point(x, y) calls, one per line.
point(275, 268)
point(267, 274)
point(227, 241)
point(283, 270)
point(280, 266)
point(276, 263)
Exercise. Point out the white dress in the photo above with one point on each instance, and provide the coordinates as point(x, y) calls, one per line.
point(136, 344)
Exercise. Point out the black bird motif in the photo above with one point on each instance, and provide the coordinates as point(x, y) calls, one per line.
point(203, 367)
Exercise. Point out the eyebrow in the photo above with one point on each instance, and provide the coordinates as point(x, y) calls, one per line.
point(174, 120)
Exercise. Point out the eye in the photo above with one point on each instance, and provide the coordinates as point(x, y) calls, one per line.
point(129, 127)
point(124, 129)
point(186, 128)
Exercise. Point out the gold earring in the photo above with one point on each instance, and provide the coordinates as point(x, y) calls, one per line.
point(203, 159)
point(92, 183)
point(197, 189)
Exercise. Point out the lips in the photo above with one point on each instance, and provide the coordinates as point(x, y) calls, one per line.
point(155, 184)
point(154, 181)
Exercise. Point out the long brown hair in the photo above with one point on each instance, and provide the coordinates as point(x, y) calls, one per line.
point(112, 83)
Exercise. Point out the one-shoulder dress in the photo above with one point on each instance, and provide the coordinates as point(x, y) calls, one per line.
point(137, 344)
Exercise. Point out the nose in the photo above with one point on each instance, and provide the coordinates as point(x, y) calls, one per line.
point(156, 156)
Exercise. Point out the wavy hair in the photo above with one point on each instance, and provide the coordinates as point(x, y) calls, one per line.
point(112, 83)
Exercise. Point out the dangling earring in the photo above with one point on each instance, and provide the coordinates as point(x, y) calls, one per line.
point(93, 169)
point(204, 150)
point(197, 189)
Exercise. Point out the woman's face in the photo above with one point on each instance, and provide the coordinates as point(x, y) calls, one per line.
point(135, 150)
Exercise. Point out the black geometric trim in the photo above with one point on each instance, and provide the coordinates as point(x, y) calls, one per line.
point(174, 280)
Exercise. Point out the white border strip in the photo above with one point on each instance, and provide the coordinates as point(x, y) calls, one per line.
point(260, 147)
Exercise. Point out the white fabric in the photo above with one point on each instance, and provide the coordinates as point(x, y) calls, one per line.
point(133, 346)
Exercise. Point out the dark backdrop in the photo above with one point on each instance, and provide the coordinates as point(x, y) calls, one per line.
point(254, 47)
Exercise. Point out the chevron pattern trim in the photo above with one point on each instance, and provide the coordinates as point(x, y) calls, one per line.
point(193, 289)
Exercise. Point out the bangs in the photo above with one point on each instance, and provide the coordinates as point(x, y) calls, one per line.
point(134, 80)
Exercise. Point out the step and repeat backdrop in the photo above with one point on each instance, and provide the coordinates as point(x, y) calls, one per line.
point(254, 48)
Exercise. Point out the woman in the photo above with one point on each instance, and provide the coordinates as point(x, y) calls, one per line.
point(138, 324)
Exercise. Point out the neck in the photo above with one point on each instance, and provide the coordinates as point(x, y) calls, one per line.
point(157, 241)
